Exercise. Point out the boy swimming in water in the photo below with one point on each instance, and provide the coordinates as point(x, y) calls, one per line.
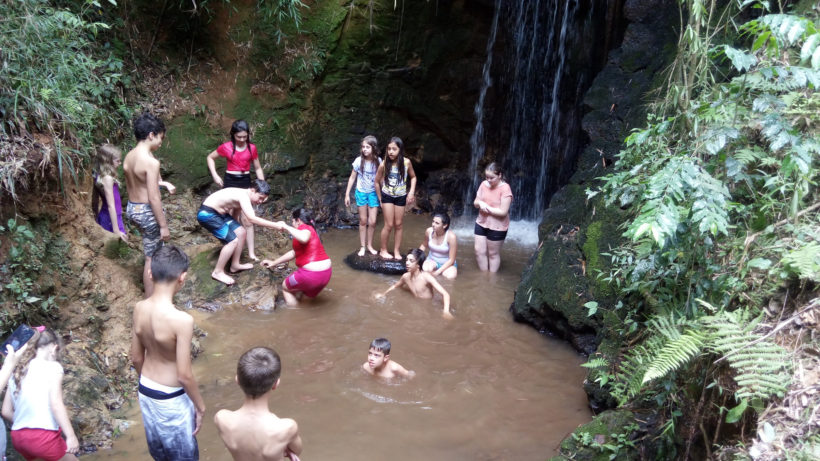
point(420, 283)
point(215, 214)
point(252, 432)
point(379, 363)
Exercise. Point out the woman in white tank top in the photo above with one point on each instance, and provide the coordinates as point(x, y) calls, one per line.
point(442, 245)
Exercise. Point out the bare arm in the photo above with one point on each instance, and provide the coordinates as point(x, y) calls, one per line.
point(446, 296)
point(403, 372)
point(398, 284)
point(211, 160)
point(282, 259)
point(423, 246)
point(350, 181)
point(295, 444)
point(55, 396)
point(247, 209)
point(302, 235)
point(171, 188)
point(108, 187)
point(8, 408)
point(137, 351)
point(260, 174)
point(379, 180)
point(411, 194)
point(477, 202)
point(152, 182)
point(501, 210)
point(184, 331)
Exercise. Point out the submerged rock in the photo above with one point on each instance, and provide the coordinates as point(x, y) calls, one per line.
point(374, 263)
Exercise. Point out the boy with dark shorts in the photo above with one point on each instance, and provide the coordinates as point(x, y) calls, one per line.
point(252, 431)
point(142, 178)
point(172, 407)
point(216, 215)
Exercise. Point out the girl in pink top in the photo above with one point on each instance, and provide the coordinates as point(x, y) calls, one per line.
point(313, 264)
point(493, 201)
point(239, 153)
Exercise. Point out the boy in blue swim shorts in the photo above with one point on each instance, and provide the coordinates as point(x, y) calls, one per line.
point(218, 214)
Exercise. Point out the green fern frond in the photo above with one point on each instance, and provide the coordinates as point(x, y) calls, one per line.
point(596, 363)
point(674, 355)
point(804, 261)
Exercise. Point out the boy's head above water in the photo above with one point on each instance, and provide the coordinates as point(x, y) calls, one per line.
point(258, 371)
point(168, 263)
point(379, 353)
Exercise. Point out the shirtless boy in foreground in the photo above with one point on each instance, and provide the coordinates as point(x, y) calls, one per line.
point(142, 179)
point(217, 215)
point(253, 433)
point(379, 363)
point(420, 283)
point(172, 407)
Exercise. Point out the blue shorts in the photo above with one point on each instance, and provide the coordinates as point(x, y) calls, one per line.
point(367, 199)
point(221, 226)
point(169, 418)
point(438, 264)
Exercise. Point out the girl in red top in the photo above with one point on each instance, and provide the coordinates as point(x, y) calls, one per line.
point(240, 153)
point(313, 265)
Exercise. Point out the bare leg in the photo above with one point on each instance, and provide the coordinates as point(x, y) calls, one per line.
point(363, 230)
point(398, 220)
point(236, 266)
point(429, 265)
point(249, 238)
point(389, 212)
point(372, 215)
point(224, 256)
point(147, 281)
point(291, 298)
point(494, 254)
point(481, 253)
point(68, 457)
point(450, 273)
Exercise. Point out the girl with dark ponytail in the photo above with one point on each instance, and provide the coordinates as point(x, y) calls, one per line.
point(312, 262)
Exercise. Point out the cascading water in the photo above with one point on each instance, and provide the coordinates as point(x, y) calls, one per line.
point(543, 69)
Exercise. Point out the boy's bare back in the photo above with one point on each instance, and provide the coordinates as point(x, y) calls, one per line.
point(251, 435)
point(159, 329)
point(228, 200)
point(141, 169)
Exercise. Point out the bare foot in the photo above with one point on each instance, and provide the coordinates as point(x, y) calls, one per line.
point(385, 255)
point(254, 258)
point(361, 251)
point(372, 250)
point(397, 255)
point(241, 267)
point(222, 277)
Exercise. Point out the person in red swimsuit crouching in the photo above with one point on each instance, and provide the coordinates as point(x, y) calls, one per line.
point(313, 264)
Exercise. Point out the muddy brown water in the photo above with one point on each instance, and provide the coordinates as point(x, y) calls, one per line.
point(486, 388)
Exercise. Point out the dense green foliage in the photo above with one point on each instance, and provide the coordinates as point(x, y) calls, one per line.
point(58, 80)
point(722, 187)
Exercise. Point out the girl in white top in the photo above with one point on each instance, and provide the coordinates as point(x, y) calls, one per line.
point(34, 403)
point(364, 175)
point(442, 245)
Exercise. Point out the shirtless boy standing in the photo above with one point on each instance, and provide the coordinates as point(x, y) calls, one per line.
point(379, 363)
point(172, 407)
point(420, 283)
point(142, 178)
point(216, 215)
point(252, 432)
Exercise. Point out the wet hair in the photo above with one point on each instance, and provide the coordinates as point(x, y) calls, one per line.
point(305, 216)
point(495, 168)
point(146, 124)
point(419, 255)
point(236, 127)
point(261, 186)
point(388, 164)
point(257, 371)
point(374, 152)
point(168, 263)
point(40, 339)
point(107, 155)
point(445, 219)
point(381, 345)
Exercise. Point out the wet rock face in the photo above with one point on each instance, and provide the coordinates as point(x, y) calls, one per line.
point(563, 275)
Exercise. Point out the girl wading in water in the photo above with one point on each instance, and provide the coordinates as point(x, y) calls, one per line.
point(493, 201)
point(442, 245)
point(313, 264)
point(240, 153)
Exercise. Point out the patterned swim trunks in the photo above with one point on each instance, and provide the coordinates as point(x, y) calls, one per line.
point(142, 215)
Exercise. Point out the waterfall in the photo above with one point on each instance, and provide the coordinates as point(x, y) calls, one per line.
point(544, 71)
point(477, 139)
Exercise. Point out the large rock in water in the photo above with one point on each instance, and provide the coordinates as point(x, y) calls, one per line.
point(374, 263)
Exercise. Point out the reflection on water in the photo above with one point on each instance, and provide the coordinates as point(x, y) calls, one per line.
point(486, 388)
